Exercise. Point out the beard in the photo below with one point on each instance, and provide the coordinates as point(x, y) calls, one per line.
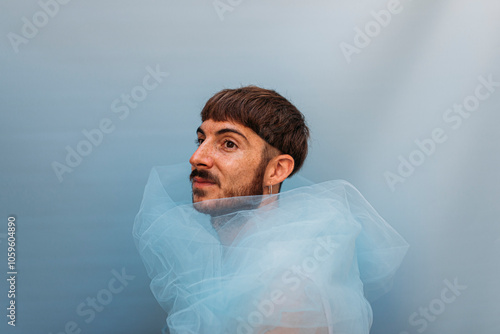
point(233, 199)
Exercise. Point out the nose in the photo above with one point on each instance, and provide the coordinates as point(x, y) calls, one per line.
point(202, 157)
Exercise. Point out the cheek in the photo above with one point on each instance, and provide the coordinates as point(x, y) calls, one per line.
point(237, 167)
point(243, 171)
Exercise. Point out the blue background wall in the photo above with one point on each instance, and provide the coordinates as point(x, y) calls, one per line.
point(369, 97)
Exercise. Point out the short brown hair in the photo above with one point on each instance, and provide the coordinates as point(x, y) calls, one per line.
point(267, 113)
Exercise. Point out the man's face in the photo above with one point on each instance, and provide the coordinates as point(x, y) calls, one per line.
point(228, 162)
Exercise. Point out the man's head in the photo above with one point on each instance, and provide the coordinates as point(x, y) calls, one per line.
point(250, 139)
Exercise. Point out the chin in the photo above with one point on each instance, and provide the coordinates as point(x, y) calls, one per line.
point(197, 198)
point(200, 195)
point(206, 206)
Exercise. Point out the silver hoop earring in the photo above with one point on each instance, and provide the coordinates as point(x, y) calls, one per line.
point(270, 189)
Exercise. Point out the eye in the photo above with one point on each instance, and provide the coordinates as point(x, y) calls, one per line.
point(229, 144)
point(198, 141)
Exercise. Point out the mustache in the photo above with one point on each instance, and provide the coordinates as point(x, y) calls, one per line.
point(204, 174)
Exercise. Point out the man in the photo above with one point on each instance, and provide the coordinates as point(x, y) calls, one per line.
point(250, 141)
point(246, 258)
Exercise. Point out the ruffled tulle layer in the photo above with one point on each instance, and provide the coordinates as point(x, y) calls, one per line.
point(306, 259)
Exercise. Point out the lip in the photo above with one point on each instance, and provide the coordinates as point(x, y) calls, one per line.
point(200, 182)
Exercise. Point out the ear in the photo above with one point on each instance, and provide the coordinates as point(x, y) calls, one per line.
point(278, 169)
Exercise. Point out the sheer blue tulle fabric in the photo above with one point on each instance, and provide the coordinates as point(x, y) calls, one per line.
point(308, 259)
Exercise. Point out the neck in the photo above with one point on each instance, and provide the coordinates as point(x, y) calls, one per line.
point(228, 227)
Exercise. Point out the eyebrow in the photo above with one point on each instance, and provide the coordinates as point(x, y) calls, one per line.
point(222, 131)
